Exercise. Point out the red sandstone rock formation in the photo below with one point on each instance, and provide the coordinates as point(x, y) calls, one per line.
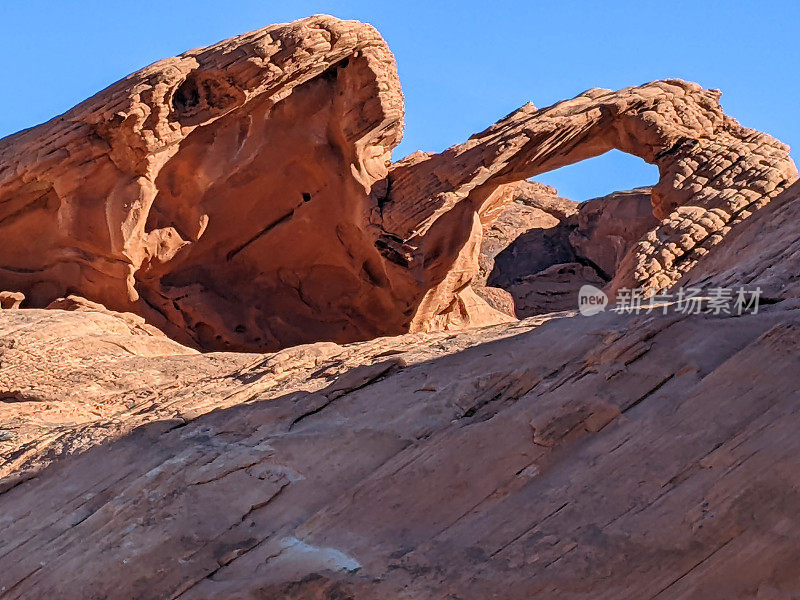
point(240, 196)
point(607, 228)
point(506, 253)
point(11, 300)
point(221, 194)
point(713, 171)
point(528, 234)
point(618, 456)
point(605, 457)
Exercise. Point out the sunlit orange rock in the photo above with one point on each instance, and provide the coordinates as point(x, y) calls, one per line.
point(241, 196)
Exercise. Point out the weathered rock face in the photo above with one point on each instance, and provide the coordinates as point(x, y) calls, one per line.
point(605, 457)
point(240, 196)
point(530, 234)
point(553, 289)
point(607, 228)
point(221, 194)
point(10, 300)
point(429, 465)
point(765, 253)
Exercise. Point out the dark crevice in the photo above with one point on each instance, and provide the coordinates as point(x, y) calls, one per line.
point(310, 413)
point(684, 141)
point(332, 72)
point(261, 233)
point(394, 250)
point(384, 198)
point(334, 394)
point(12, 396)
point(594, 266)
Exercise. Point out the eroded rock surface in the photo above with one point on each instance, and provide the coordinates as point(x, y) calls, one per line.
point(765, 253)
point(612, 456)
point(552, 289)
point(608, 227)
point(642, 456)
point(11, 300)
point(530, 234)
point(524, 237)
point(221, 194)
point(241, 196)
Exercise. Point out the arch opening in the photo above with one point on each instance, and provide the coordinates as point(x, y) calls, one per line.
point(601, 176)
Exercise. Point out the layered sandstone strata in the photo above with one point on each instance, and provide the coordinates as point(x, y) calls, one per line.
point(221, 194)
point(713, 172)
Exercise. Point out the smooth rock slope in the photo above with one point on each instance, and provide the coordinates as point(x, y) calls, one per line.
point(612, 456)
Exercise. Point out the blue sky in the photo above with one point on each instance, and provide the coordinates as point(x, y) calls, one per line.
point(463, 64)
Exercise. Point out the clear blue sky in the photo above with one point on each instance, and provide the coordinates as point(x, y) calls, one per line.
point(463, 64)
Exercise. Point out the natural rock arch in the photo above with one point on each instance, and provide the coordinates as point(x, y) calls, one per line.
point(713, 171)
point(241, 196)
